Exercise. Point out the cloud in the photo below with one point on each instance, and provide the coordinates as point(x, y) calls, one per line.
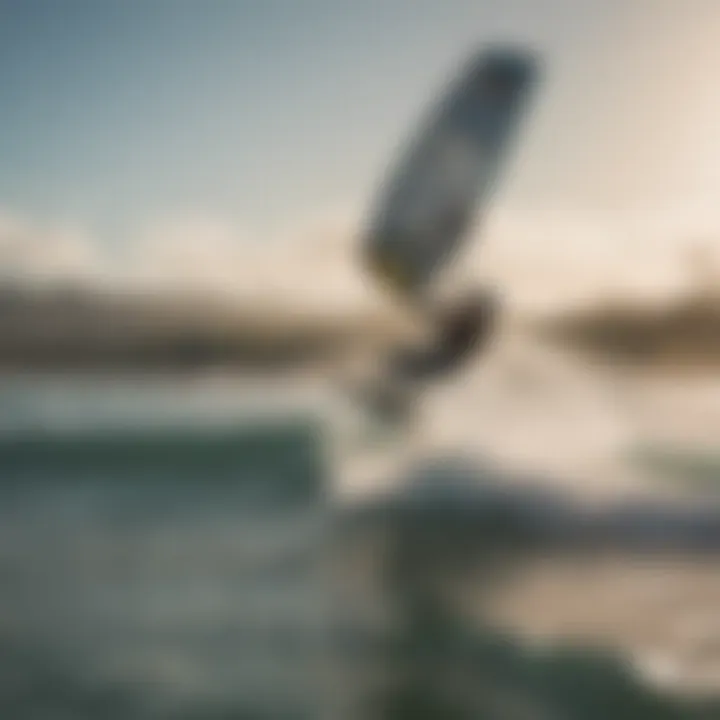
point(554, 257)
point(310, 264)
point(540, 260)
point(191, 252)
point(36, 253)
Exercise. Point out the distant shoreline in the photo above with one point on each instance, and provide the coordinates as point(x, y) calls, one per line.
point(64, 330)
point(676, 338)
point(72, 331)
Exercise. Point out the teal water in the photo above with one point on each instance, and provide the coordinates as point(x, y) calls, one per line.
point(161, 573)
point(175, 570)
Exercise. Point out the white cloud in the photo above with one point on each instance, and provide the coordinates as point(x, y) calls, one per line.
point(36, 253)
point(310, 265)
point(539, 260)
point(193, 252)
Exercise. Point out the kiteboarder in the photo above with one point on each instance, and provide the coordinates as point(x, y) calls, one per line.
point(461, 330)
point(423, 217)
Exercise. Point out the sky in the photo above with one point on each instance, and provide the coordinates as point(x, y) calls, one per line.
point(142, 127)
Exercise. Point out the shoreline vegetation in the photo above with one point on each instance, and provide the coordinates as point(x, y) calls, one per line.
point(73, 329)
point(70, 329)
point(677, 336)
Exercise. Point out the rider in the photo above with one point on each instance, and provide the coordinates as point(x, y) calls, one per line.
point(462, 329)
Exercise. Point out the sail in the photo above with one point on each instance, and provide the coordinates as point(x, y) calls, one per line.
point(448, 173)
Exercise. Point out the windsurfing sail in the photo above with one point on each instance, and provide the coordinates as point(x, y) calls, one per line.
point(447, 174)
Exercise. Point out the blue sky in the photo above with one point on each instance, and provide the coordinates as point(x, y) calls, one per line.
point(212, 121)
point(119, 112)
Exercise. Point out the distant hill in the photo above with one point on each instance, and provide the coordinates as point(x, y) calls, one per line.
point(72, 328)
point(677, 335)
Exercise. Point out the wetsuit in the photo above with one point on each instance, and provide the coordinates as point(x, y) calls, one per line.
point(461, 332)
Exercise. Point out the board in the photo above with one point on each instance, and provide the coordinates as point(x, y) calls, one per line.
point(428, 202)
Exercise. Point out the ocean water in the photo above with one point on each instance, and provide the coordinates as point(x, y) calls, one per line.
point(157, 570)
point(591, 429)
point(164, 544)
